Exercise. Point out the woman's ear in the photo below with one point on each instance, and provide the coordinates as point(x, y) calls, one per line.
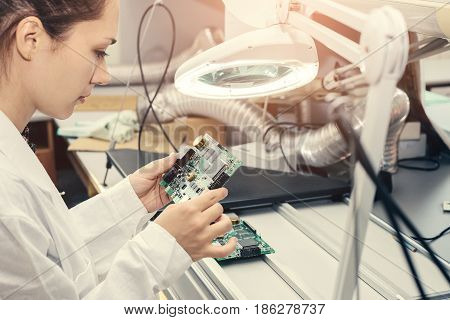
point(30, 34)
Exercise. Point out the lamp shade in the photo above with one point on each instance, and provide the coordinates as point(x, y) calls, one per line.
point(258, 63)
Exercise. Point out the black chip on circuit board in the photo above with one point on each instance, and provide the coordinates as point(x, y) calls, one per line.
point(248, 242)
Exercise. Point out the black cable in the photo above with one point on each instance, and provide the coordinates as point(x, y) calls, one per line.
point(390, 205)
point(278, 124)
point(435, 164)
point(280, 142)
point(351, 137)
point(108, 167)
point(169, 60)
point(440, 235)
point(282, 150)
point(288, 123)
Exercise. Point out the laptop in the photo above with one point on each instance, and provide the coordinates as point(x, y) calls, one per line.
point(250, 187)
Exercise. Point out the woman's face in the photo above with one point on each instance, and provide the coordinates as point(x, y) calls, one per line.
point(58, 79)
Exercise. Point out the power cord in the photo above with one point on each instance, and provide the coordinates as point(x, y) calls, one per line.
point(440, 235)
point(285, 127)
point(109, 163)
point(276, 125)
point(392, 208)
point(351, 137)
point(286, 160)
point(113, 141)
point(434, 164)
point(161, 82)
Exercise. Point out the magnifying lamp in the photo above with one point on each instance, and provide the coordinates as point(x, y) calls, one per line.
point(261, 62)
point(279, 56)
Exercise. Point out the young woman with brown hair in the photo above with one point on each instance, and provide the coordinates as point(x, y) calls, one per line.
point(51, 56)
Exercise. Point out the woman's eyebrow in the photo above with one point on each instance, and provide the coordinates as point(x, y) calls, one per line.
point(113, 41)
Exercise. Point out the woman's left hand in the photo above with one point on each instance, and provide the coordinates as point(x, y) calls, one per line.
point(145, 183)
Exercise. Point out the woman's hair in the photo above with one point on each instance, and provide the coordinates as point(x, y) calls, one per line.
point(57, 17)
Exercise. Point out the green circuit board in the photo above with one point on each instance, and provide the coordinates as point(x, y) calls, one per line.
point(250, 244)
point(206, 165)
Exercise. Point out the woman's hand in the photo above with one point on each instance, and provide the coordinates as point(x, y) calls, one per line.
point(145, 183)
point(197, 222)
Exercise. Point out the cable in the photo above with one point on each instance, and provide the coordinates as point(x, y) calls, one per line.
point(392, 209)
point(280, 142)
point(113, 142)
point(109, 163)
point(440, 235)
point(282, 150)
point(122, 104)
point(108, 167)
point(150, 107)
point(351, 137)
point(435, 164)
point(279, 124)
point(151, 100)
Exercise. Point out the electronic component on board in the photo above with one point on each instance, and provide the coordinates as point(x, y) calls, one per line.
point(249, 245)
point(206, 165)
point(234, 218)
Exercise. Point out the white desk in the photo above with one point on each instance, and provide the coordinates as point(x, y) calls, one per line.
point(92, 164)
point(308, 241)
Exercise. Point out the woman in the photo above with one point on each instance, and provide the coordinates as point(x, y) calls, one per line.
point(51, 56)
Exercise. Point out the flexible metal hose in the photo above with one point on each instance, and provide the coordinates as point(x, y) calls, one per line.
point(326, 146)
point(314, 147)
point(248, 117)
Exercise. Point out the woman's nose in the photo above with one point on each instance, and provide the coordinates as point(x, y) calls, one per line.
point(101, 75)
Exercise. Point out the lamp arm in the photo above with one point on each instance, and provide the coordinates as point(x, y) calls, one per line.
point(336, 42)
point(385, 44)
point(353, 18)
point(382, 57)
point(373, 138)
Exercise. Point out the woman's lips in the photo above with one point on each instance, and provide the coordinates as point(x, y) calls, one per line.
point(82, 99)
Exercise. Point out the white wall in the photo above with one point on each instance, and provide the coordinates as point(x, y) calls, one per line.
point(191, 16)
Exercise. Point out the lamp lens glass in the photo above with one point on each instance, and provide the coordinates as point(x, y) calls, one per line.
point(246, 76)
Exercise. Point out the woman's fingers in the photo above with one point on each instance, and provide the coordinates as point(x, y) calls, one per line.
point(158, 167)
point(213, 213)
point(222, 226)
point(190, 224)
point(214, 251)
point(208, 198)
point(164, 197)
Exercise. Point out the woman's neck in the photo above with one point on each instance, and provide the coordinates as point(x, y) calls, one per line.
point(14, 103)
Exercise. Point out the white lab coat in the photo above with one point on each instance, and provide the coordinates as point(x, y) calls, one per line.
point(50, 252)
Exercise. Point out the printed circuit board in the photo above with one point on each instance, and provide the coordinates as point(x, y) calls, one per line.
point(250, 244)
point(206, 165)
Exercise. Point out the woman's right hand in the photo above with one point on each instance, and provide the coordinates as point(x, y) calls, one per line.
point(197, 222)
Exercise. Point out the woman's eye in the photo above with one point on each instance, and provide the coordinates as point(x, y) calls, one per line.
point(101, 54)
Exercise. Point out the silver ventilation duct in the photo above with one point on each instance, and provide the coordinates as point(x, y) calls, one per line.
point(320, 147)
